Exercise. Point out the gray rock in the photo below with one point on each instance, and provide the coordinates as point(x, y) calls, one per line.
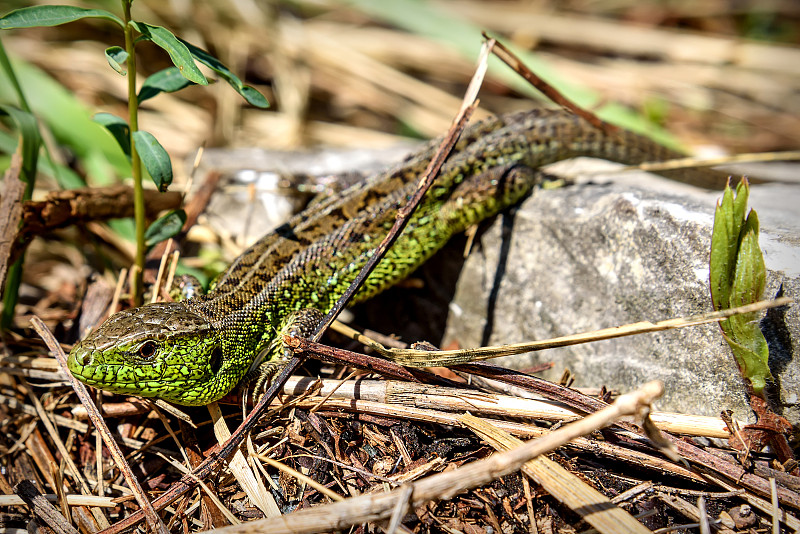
point(281, 181)
point(607, 253)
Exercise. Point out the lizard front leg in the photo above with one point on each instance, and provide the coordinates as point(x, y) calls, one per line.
point(302, 323)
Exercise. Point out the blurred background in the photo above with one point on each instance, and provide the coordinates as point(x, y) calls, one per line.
point(714, 76)
point(722, 74)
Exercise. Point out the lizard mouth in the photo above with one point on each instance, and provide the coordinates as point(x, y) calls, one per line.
point(91, 369)
point(98, 377)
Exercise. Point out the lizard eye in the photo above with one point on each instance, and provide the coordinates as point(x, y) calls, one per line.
point(148, 349)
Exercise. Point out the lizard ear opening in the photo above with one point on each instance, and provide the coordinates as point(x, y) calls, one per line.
point(216, 360)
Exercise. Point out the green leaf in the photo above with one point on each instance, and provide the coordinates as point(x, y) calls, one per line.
point(177, 50)
point(118, 128)
point(64, 176)
point(167, 80)
point(28, 148)
point(723, 251)
point(738, 277)
point(31, 141)
point(117, 56)
point(31, 17)
point(165, 227)
point(750, 274)
point(70, 122)
point(155, 159)
point(252, 96)
point(125, 228)
point(740, 206)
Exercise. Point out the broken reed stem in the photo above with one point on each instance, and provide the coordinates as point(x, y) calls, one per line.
point(424, 358)
point(692, 162)
point(446, 399)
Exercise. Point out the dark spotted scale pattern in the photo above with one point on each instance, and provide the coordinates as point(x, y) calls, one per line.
point(195, 351)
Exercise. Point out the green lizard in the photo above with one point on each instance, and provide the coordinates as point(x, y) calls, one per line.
point(195, 351)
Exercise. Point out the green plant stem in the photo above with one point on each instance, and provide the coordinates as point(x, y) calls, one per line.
point(5, 63)
point(136, 163)
point(14, 274)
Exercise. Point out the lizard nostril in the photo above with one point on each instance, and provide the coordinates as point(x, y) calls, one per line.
point(80, 356)
point(85, 358)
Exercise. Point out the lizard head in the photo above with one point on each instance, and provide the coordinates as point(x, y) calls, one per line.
point(159, 350)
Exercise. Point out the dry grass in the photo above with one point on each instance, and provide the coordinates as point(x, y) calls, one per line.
point(337, 76)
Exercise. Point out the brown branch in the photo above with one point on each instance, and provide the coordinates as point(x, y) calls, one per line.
point(74, 206)
point(510, 59)
point(62, 208)
point(42, 509)
point(10, 214)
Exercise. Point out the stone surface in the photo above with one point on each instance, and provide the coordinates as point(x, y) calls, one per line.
point(262, 188)
point(602, 254)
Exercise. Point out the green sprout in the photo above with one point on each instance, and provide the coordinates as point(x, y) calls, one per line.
point(738, 277)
